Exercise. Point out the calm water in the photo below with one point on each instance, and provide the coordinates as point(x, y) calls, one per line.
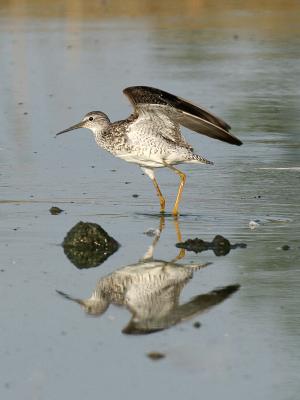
point(59, 61)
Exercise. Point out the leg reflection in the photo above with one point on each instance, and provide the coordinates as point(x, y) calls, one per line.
point(181, 253)
point(149, 253)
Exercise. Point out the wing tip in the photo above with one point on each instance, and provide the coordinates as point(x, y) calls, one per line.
point(237, 142)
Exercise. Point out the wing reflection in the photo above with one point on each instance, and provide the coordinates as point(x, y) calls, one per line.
point(150, 290)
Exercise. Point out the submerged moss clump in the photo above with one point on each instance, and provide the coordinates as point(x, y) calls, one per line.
point(155, 355)
point(55, 210)
point(220, 245)
point(88, 245)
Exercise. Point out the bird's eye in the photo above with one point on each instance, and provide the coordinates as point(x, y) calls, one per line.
point(91, 118)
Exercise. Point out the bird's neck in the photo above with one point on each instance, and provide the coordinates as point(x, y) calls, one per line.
point(100, 131)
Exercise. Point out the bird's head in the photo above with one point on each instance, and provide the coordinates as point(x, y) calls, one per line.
point(94, 305)
point(96, 121)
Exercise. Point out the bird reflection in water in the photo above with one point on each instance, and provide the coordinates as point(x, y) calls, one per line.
point(150, 290)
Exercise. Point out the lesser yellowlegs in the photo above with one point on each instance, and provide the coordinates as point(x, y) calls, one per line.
point(151, 136)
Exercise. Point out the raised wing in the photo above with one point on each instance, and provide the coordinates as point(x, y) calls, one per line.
point(165, 316)
point(183, 112)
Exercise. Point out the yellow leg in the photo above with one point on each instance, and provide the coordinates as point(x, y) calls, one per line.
point(162, 200)
point(180, 188)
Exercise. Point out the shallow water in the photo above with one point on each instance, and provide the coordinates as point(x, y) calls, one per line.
point(59, 61)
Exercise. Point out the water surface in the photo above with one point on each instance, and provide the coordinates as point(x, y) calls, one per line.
point(62, 59)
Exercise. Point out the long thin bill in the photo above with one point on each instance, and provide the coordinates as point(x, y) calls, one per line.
point(77, 126)
point(66, 296)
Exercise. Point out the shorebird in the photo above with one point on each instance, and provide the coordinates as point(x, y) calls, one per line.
point(151, 136)
point(150, 290)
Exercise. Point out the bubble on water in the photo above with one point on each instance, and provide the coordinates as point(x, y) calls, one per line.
point(253, 224)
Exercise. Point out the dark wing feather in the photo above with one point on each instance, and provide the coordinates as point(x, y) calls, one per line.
point(187, 114)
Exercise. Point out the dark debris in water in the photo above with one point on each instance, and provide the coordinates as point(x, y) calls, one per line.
point(55, 210)
point(197, 324)
point(285, 247)
point(88, 245)
point(155, 355)
point(220, 245)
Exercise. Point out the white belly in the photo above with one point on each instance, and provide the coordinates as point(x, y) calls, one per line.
point(153, 161)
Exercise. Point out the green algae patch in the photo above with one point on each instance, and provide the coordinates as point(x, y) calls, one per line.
point(88, 245)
